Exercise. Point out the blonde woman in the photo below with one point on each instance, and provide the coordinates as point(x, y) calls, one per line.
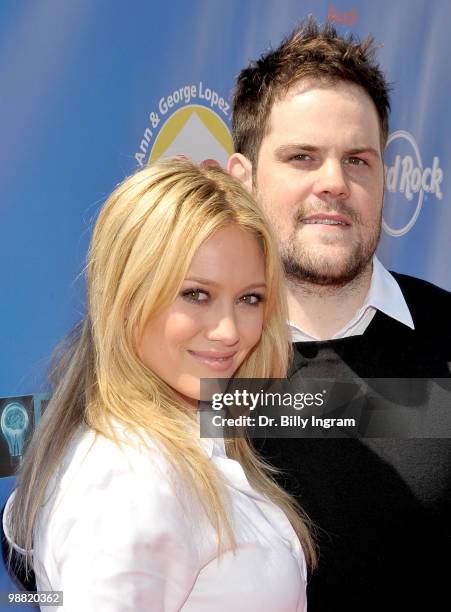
point(120, 504)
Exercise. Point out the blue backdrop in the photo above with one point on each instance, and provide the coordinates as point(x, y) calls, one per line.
point(92, 89)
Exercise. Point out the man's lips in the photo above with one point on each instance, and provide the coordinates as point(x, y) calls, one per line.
point(327, 219)
point(217, 360)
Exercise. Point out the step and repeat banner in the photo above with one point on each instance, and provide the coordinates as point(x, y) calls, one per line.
point(91, 90)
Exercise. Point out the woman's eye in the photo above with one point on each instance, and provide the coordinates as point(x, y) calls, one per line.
point(197, 296)
point(253, 299)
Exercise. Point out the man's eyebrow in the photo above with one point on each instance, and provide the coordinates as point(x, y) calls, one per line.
point(293, 148)
point(363, 149)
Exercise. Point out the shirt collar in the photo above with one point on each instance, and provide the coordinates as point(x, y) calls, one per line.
point(211, 446)
point(384, 294)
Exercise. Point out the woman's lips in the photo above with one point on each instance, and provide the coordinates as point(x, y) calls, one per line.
point(220, 362)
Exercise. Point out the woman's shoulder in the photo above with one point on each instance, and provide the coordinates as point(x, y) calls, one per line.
point(114, 511)
point(95, 461)
point(129, 479)
point(105, 484)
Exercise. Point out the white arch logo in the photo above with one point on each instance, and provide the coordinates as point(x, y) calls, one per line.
point(195, 131)
point(408, 177)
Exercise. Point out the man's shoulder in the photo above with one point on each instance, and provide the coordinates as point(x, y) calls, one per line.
point(414, 287)
point(426, 301)
point(419, 284)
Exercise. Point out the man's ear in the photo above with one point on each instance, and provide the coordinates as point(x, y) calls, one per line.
point(240, 167)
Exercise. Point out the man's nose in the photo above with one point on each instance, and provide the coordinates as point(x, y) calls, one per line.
point(331, 180)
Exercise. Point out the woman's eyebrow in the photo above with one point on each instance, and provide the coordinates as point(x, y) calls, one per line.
point(206, 281)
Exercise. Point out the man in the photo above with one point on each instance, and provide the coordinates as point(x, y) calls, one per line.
point(310, 124)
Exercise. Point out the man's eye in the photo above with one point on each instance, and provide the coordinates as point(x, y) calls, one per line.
point(302, 157)
point(355, 161)
point(197, 296)
point(253, 299)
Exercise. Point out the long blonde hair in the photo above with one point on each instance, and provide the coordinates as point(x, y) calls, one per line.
point(143, 243)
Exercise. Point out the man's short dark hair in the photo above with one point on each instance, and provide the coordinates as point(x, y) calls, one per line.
point(311, 52)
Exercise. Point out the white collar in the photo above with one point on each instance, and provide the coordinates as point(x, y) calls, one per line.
point(211, 446)
point(384, 294)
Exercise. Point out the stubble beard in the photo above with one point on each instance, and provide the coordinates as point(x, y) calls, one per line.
point(314, 265)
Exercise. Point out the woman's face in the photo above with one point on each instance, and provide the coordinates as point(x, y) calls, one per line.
point(217, 317)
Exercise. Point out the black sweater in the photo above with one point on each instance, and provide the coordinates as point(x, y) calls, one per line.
point(382, 508)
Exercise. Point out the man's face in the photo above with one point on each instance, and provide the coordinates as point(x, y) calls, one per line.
point(319, 179)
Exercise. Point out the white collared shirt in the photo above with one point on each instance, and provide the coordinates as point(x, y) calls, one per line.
point(384, 294)
point(120, 533)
